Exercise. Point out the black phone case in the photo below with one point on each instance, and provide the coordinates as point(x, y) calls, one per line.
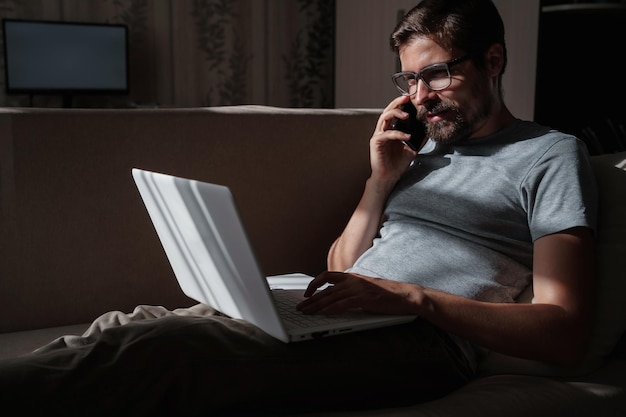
point(412, 126)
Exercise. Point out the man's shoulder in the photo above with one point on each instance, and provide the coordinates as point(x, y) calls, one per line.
point(531, 138)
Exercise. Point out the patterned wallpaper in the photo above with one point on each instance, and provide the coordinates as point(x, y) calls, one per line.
point(191, 53)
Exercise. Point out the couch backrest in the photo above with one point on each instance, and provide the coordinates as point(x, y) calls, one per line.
point(610, 323)
point(76, 240)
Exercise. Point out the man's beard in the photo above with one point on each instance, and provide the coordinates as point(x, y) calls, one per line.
point(457, 128)
point(447, 130)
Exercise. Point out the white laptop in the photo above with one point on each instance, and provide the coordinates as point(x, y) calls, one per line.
point(205, 242)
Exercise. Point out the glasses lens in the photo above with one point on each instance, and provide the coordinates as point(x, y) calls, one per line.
point(437, 77)
point(406, 83)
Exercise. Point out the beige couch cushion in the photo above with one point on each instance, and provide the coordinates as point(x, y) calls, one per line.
point(75, 238)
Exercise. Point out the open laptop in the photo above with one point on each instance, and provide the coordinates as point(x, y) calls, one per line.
point(205, 242)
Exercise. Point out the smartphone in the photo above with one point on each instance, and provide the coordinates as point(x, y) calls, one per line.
point(416, 128)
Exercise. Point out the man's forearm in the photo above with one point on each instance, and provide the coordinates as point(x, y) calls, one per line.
point(361, 229)
point(534, 331)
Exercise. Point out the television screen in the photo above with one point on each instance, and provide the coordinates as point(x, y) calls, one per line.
point(43, 57)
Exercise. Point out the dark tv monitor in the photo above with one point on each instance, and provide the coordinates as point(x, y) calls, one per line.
point(67, 58)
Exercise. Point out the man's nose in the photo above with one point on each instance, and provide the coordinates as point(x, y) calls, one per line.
point(422, 93)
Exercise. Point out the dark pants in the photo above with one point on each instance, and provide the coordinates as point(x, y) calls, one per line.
point(213, 365)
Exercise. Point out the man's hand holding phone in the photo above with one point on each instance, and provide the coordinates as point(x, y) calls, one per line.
point(412, 126)
point(394, 143)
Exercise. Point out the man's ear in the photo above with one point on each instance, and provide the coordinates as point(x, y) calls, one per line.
point(494, 59)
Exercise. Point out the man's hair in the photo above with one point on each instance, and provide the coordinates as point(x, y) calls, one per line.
point(471, 26)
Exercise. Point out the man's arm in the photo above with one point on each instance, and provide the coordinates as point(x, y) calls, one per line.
point(555, 328)
point(361, 229)
point(389, 159)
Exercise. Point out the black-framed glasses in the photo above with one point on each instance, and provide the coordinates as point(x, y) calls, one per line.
point(435, 77)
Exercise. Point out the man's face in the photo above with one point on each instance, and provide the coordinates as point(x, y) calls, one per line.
point(454, 113)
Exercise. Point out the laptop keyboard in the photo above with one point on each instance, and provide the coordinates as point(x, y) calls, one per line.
point(286, 302)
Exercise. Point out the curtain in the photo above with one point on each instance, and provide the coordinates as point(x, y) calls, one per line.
point(191, 53)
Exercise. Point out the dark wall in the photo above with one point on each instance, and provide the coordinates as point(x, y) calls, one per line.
point(580, 80)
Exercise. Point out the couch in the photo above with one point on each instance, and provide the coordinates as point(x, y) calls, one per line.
point(76, 241)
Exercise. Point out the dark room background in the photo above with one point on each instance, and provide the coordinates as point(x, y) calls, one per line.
point(190, 53)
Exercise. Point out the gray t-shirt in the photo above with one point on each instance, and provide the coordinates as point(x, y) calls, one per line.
point(463, 218)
